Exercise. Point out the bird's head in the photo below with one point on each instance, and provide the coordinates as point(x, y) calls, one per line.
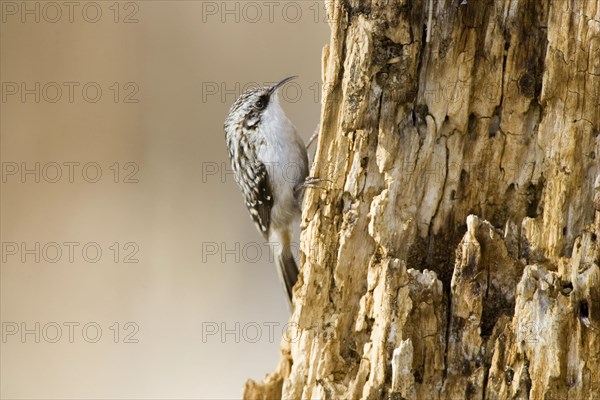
point(249, 108)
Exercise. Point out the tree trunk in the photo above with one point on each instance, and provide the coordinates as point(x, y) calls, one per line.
point(456, 252)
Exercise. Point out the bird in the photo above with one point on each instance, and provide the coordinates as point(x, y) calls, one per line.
point(270, 165)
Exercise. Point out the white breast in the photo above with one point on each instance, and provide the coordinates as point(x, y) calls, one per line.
point(284, 155)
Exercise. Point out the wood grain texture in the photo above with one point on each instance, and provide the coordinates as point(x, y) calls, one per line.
point(456, 254)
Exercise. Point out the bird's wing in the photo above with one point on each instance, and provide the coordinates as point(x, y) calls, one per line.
point(253, 179)
point(259, 197)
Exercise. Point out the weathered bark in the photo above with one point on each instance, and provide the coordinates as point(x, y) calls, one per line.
point(456, 253)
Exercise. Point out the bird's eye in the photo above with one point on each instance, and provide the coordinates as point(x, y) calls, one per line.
point(261, 103)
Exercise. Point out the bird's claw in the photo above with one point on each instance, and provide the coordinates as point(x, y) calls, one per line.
point(310, 182)
point(313, 182)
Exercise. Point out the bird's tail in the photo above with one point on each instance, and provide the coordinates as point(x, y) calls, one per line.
point(286, 265)
point(288, 272)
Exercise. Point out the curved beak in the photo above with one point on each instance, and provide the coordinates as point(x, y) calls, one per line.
point(281, 83)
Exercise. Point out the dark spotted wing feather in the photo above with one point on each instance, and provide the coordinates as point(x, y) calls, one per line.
point(259, 199)
point(253, 179)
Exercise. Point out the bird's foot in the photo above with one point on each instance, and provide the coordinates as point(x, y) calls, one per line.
point(313, 182)
point(314, 136)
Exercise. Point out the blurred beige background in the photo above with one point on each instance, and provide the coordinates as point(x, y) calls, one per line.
point(110, 327)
